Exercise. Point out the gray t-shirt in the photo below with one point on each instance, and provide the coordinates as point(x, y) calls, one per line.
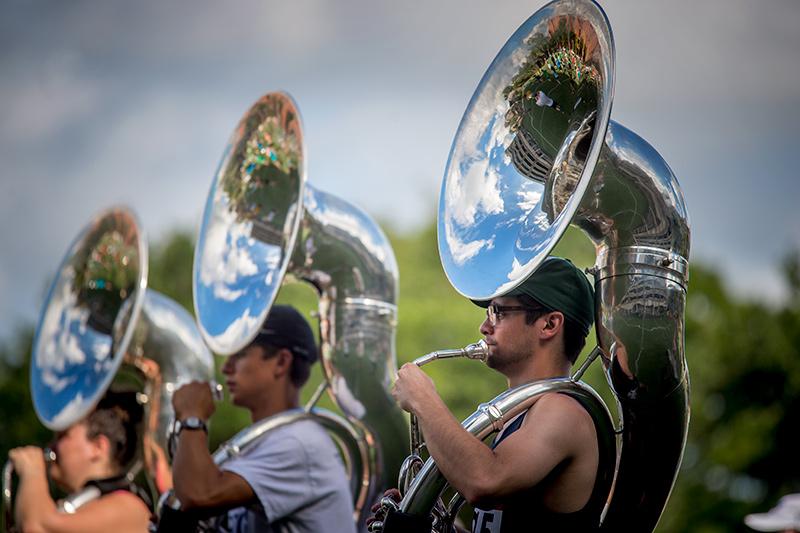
point(297, 474)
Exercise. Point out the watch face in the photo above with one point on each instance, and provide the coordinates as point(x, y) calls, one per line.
point(191, 422)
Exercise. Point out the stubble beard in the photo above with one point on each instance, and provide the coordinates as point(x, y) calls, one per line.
point(501, 361)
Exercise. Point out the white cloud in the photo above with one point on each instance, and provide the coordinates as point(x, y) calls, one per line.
point(226, 256)
point(48, 100)
point(464, 251)
point(235, 333)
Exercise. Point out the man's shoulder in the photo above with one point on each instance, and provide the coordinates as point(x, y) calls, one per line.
point(304, 434)
point(559, 413)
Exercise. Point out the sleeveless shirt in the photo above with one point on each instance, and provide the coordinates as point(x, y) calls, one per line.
point(526, 512)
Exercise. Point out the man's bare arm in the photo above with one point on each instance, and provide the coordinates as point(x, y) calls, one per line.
point(521, 461)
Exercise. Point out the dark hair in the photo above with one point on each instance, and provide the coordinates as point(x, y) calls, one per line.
point(117, 425)
point(574, 338)
point(300, 369)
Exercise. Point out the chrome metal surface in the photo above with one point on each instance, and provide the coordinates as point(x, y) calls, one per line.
point(250, 224)
point(537, 151)
point(264, 223)
point(477, 350)
point(169, 352)
point(75, 501)
point(518, 167)
point(83, 332)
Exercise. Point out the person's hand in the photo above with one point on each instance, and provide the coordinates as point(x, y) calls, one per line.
point(28, 461)
point(412, 387)
point(193, 399)
point(378, 511)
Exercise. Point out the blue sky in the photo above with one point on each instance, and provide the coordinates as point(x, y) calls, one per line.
point(133, 102)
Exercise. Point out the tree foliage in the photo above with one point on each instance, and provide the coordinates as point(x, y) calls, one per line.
point(743, 358)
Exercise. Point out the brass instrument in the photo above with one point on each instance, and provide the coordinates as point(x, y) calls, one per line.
point(535, 152)
point(101, 329)
point(264, 223)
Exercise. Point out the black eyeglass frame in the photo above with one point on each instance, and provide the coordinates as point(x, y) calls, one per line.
point(494, 312)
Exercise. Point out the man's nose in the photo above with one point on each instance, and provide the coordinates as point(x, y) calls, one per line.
point(486, 327)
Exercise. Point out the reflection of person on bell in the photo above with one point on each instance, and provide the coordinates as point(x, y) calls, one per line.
point(542, 100)
point(91, 461)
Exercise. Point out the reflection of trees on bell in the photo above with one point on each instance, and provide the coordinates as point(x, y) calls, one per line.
point(106, 273)
point(552, 93)
point(564, 55)
point(263, 173)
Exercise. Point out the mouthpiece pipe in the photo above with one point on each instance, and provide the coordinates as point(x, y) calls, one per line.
point(478, 350)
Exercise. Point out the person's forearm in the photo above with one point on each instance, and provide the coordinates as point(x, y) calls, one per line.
point(33, 503)
point(465, 461)
point(194, 473)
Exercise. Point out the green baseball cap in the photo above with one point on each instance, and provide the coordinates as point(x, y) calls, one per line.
point(561, 286)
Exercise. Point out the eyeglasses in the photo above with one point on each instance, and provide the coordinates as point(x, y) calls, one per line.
point(495, 313)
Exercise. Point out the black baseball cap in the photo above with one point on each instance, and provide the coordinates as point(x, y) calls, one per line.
point(285, 327)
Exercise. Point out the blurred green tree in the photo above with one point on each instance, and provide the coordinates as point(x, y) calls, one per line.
point(743, 358)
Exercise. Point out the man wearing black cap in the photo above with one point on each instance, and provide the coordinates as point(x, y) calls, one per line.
point(292, 479)
point(540, 472)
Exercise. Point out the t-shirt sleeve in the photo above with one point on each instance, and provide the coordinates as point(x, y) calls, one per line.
point(277, 469)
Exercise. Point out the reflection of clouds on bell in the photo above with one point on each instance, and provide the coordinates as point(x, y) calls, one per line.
point(235, 333)
point(474, 193)
point(474, 184)
point(226, 256)
point(528, 200)
point(345, 398)
point(71, 412)
point(60, 345)
point(101, 348)
point(464, 251)
point(54, 383)
point(357, 229)
point(514, 275)
point(271, 261)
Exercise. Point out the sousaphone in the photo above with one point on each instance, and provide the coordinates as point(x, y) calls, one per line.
point(264, 224)
point(102, 329)
point(535, 152)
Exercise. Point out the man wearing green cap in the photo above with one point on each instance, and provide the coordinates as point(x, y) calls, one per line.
point(540, 472)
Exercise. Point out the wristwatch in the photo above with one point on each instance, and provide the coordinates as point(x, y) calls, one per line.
point(190, 422)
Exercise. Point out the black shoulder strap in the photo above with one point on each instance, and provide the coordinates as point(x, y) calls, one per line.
point(121, 482)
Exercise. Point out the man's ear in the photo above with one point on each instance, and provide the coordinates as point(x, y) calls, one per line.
point(283, 362)
point(553, 323)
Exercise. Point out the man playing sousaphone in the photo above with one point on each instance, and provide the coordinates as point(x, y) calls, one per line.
point(542, 468)
point(292, 479)
point(92, 457)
